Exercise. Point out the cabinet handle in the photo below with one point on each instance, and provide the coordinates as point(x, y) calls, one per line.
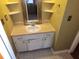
point(23, 41)
point(45, 39)
point(19, 38)
point(28, 41)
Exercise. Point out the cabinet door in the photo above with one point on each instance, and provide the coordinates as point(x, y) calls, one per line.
point(35, 44)
point(47, 40)
point(21, 45)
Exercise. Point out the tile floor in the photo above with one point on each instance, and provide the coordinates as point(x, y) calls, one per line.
point(43, 54)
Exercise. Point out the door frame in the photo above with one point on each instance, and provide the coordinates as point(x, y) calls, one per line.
point(6, 44)
point(72, 48)
point(74, 44)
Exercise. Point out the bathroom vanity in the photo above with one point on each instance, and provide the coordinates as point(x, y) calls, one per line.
point(32, 35)
point(28, 41)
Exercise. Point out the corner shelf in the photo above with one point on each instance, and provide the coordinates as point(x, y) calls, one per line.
point(47, 15)
point(48, 11)
point(50, 2)
point(15, 12)
point(17, 18)
point(9, 3)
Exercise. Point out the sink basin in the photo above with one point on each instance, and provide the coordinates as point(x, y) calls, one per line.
point(33, 28)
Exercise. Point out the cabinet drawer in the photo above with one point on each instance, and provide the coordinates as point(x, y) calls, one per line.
point(20, 44)
point(28, 37)
point(48, 34)
point(18, 38)
point(35, 44)
point(32, 37)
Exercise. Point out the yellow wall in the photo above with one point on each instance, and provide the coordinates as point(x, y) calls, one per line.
point(8, 25)
point(11, 0)
point(4, 11)
point(56, 19)
point(65, 31)
point(68, 29)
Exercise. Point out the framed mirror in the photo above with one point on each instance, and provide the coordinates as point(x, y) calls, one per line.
point(31, 10)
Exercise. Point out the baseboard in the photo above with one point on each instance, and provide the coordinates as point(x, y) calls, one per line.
point(61, 51)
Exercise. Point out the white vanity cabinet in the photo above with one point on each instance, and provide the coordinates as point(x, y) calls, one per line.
point(33, 41)
point(47, 40)
point(20, 43)
point(35, 44)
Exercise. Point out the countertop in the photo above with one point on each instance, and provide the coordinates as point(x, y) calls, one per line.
point(21, 29)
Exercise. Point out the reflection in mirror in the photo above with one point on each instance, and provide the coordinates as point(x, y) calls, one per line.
point(32, 9)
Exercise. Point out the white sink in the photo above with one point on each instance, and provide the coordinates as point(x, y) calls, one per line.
point(33, 28)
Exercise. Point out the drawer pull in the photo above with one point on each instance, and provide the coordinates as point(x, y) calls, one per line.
point(45, 39)
point(28, 41)
point(23, 41)
point(19, 38)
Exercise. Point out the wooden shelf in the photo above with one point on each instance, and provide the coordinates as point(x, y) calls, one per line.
point(51, 2)
point(49, 11)
point(15, 12)
point(9, 3)
point(19, 22)
point(17, 18)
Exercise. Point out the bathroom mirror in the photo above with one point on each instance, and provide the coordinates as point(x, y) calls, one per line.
point(32, 10)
